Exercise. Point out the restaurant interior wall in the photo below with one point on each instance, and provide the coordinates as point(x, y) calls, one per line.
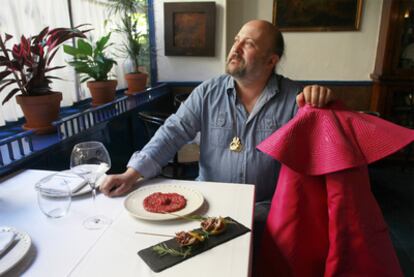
point(339, 56)
point(340, 60)
point(185, 68)
point(335, 56)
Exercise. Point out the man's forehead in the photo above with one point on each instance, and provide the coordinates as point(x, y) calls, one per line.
point(251, 31)
point(248, 32)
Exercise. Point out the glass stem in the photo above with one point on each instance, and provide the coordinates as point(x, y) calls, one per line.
point(93, 192)
point(94, 201)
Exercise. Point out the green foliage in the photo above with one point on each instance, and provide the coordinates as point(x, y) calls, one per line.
point(135, 44)
point(91, 61)
point(27, 64)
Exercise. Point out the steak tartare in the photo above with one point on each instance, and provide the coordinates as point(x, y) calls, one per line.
point(159, 202)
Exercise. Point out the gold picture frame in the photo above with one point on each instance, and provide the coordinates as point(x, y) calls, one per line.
point(317, 15)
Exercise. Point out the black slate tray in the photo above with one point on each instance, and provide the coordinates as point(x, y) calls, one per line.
point(158, 263)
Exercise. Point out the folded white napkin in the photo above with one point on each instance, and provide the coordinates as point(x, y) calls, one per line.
point(6, 239)
point(74, 181)
point(102, 168)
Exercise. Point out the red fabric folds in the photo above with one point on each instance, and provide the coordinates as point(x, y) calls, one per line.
point(324, 220)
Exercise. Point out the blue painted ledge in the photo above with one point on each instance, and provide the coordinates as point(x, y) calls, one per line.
point(17, 145)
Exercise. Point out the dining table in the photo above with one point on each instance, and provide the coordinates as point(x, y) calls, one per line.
point(64, 247)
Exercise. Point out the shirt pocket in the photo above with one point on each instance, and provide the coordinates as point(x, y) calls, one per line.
point(221, 131)
point(265, 128)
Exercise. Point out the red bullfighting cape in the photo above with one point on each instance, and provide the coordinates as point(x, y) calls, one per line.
point(324, 220)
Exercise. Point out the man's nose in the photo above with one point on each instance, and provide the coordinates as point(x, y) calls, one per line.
point(238, 47)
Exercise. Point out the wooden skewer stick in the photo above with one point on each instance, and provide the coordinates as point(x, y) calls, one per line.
point(153, 234)
point(186, 217)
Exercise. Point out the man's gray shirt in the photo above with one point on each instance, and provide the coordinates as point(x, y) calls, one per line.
point(210, 109)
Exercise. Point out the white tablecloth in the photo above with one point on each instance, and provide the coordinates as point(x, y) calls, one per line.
point(63, 247)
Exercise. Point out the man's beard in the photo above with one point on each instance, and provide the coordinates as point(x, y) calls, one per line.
point(239, 71)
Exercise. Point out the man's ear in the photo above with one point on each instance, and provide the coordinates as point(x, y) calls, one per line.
point(274, 60)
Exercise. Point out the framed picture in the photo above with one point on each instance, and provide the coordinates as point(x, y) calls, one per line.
point(189, 28)
point(317, 15)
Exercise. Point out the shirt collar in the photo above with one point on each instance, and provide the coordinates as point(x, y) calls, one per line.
point(270, 90)
point(230, 85)
point(272, 86)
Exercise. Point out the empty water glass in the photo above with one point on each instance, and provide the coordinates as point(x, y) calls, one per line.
point(90, 160)
point(53, 196)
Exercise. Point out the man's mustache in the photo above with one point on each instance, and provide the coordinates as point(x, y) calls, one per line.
point(234, 56)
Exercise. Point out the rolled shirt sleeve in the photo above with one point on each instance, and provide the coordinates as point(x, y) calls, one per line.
point(178, 129)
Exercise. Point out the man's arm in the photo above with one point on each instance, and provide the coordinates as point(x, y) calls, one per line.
point(177, 130)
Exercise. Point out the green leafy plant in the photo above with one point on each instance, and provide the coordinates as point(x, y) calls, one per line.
point(28, 63)
point(90, 60)
point(135, 43)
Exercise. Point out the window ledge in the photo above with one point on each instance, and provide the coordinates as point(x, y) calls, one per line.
point(17, 145)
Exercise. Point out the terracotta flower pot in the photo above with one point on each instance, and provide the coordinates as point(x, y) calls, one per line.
point(136, 82)
point(40, 111)
point(102, 92)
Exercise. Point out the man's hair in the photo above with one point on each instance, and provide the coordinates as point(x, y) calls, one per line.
point(279, 43)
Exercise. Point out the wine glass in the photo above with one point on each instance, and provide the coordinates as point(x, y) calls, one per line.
point(90, 160)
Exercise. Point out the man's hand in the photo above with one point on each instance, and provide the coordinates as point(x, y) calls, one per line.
point(316, 96)
point(119, 184)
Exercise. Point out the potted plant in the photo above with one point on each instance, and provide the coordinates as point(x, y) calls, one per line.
point(92, 62)
point(27, 66)
point(134, 42)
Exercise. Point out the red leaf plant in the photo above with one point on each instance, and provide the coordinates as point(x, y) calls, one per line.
point(27, 63)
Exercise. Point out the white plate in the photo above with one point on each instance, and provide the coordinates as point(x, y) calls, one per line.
point(134, 201)
point(17, 253)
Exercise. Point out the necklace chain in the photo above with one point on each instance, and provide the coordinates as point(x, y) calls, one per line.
point(236, 144)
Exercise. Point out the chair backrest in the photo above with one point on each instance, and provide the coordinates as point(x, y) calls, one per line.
point(180, 98)
point(152, 121)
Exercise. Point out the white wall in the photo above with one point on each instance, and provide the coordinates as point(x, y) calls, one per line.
point(241, 11)
point(318, 55)
point(309, 55)
point(335, 55)
point(174, 68)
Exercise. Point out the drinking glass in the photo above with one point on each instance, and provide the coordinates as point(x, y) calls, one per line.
point(91, 160)
point(53, 196)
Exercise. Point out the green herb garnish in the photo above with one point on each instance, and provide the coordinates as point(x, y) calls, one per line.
point(197, 217)
point(162, 249)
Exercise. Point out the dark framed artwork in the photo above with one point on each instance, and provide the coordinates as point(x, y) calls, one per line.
point(317, 15)
point(189, 28)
